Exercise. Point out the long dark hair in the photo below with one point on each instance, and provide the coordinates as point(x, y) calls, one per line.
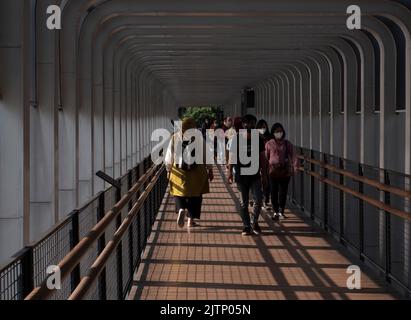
point(278, 126)
point(262, 123)
point(237, 123)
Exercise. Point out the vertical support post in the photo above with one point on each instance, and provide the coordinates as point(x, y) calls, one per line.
point(341, 163)
point(302, 173)
point(119, 253)
point(102, 285)
point(387, 200)
point(158, 194)
point(293, 192)
point(146, 219)
point(27, 272)
point(325, 197)
point(74, 239)
point(148, 205)
point(153, 204)
point(312, 186)
point(361, 212)
point(131, 228)
point(139, 243)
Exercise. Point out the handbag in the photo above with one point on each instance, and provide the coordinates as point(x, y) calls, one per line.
point(283, 170)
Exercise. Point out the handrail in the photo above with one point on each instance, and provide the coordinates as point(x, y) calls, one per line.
point(370, 182)
point(324, 188)
point(18, 255)
point(73, 258)
point(100, 262)
point(376, 203)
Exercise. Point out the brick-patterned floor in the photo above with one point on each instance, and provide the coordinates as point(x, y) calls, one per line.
point(290, 260)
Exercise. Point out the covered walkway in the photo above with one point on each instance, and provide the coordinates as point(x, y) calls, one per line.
point(85, 97)
point(293, 259)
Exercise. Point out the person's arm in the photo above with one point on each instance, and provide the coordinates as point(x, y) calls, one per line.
point(169, 158)
point(267, 152)
point(232, 145)
point(209, 167)
point(293, 157)
point(263, 162)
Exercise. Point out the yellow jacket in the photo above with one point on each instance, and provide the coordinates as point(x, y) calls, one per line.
point(186, 183)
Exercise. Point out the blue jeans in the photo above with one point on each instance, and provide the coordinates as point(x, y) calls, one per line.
point(245, 185)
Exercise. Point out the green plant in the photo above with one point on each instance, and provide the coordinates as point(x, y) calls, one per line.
point(199, 114)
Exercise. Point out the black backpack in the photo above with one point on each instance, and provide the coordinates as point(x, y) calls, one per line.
point(237, 167)
point(185, 166)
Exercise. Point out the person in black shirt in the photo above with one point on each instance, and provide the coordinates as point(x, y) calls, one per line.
point(248, 182)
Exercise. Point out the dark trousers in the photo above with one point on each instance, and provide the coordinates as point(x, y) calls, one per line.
point(279, 190)
point(192, 204)
point(266, 192)
point(245, 185)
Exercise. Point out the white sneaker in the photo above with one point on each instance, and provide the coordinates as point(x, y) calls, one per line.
point(181, 218)
point(276, 216)
point(191, 223)
point(267, 207)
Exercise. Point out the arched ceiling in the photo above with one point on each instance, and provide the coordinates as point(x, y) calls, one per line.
point(204, 52)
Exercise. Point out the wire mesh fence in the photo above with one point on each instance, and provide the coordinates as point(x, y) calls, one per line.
point(350, 205)
point(33, 265)
point(11, 279)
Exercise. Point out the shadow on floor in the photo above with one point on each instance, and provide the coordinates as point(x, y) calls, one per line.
point(293, 259)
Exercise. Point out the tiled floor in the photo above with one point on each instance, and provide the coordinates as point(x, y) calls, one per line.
point(290, 260)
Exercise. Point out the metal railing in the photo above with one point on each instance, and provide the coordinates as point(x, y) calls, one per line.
point(77, 237)
point(366, 208)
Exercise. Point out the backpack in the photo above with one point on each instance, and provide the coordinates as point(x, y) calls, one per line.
point(283, 170)
point(238, 166)
point(185, 166)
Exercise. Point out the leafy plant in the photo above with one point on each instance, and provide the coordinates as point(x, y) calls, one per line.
point(199, 114)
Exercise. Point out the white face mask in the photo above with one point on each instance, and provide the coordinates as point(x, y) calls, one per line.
point(262, 130)
point(278, 135)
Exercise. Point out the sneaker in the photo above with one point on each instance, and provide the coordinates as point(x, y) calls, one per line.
point(256, 228)
point(246, 231)
point(192, 224)
point(267, 207)
point(282, 215)
point(181, 217)
point(276, 216)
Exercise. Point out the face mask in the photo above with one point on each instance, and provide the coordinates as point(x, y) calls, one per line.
point(262, 130)
point(278, 135)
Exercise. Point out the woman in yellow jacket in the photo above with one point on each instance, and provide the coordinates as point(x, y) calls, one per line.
point(187, 183)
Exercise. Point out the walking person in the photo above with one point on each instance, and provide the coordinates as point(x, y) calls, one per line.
point(282, 164)
point(233, 131)
point(206, 125)
point(220, 144)
point(229, 132)
point(264, 131)
point(247, 183)
point(188, 182)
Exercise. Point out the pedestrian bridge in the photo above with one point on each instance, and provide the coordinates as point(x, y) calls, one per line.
point(293, 259)
point(83, 85)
